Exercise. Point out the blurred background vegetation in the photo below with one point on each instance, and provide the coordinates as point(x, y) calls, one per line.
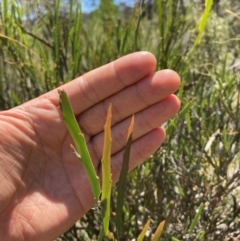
point(45, 43)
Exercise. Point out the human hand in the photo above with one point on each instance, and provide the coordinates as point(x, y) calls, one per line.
point(44, 189)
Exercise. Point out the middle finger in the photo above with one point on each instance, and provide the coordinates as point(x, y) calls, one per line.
point(132, 99)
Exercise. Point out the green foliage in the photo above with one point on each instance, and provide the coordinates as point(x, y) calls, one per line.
point(203, 21)
point(196, 218)
point(200, 159)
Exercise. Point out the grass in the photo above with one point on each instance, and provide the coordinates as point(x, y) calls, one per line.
point(198, 164)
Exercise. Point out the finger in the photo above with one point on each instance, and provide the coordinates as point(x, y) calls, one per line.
point(145, 121)
point(132, 99)
point(141, 149)
point(105, 81)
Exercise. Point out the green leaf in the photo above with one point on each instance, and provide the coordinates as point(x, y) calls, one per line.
point(80, 142)
point(196, 218)
point(180, 115)
point(179, 188)
point(203, 21)
point(106, 172)
point(201, 236)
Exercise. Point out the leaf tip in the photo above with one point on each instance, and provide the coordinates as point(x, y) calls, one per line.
point(60, 92)
point(130, 128)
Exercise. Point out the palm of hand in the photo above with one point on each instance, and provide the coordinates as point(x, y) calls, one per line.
point(41, 177)
point(44, 188)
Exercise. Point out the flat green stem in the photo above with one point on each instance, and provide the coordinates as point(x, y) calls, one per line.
point(80, 142)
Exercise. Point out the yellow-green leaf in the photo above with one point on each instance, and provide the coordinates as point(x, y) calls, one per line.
point(143, 233)
point(106, 172)
point(159, 231)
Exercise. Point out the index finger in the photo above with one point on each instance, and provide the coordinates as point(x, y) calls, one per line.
point(98, 84)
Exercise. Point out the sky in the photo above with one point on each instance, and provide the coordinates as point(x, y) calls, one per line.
point(90, 5)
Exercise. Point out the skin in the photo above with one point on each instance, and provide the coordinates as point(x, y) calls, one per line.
point(44, 189)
